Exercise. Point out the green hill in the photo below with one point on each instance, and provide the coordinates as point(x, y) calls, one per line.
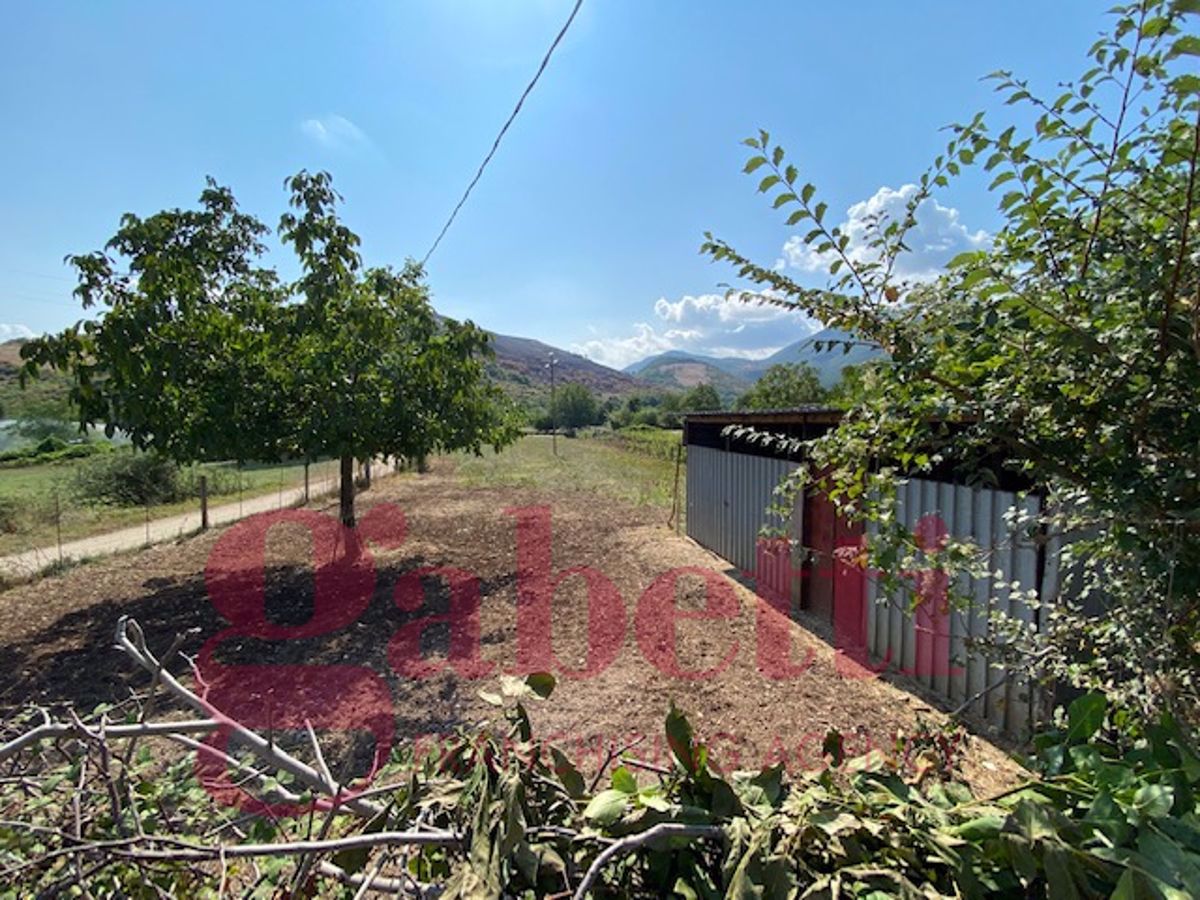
point(673, 373)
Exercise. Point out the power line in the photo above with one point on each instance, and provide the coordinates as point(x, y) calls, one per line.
point(496, 143)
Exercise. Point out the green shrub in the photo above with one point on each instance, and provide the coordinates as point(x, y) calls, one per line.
point(128, 479)
point(51, 444)
point(33, 456)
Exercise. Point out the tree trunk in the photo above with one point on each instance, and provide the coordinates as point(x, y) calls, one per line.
point(347, 498)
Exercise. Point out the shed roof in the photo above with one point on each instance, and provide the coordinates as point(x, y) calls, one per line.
point(813, 414)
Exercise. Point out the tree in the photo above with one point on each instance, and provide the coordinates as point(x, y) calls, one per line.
point(784, 385)
point(202, 353)
point(1070, 349)
point(574, 407)
point(372, 369)
point(701, 398)
point(851, 385)
point(182, 358)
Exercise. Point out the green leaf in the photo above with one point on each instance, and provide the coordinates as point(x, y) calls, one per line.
point(980, 829)
point(541, 683)
point(1188, 45)
point(567, 773)
point(654, 801)
point(1085, 715)
point(606, 807)
point(679, 738)
point(1060, 878)
point(1154, 800)
point(623, 781)
point(833, 745)
point(753, 163)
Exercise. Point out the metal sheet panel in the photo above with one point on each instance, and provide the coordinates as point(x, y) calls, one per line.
point(1002, 572)
point(728, 497)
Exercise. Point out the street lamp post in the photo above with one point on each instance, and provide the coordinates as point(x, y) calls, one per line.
point(553, 413)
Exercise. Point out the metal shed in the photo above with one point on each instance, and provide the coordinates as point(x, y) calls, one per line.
point(731, 484)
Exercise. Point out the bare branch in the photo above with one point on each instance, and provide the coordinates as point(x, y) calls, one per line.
point(130, 638)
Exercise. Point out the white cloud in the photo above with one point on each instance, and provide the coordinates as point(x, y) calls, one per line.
point(716, 308)
point(336, 132)
point(708, 324)
point(620, 352)
point(937, 237)
point(12, 332)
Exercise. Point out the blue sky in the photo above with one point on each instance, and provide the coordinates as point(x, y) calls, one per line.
point(584, 231)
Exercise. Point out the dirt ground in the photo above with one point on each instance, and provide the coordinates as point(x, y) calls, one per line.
point(56, 634)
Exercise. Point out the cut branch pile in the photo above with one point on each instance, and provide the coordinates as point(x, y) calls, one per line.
point(128, 818)
point(112, 806)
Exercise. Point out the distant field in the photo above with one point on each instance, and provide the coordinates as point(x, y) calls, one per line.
point(34, 489)
point(664, 443)
point(582, 464)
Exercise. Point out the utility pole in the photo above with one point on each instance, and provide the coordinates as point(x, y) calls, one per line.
point(553, 413)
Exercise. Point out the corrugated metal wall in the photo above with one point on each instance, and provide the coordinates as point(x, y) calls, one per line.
point(934, 650)
point(728, 495)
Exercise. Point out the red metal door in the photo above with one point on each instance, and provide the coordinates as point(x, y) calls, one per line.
point(820, 528)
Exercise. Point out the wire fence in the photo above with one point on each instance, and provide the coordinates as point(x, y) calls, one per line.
point(45, 525)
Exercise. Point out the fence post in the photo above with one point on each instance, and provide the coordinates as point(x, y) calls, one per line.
point(204, 503)
point(306, 481)
point(58, 525)
point(673, 521)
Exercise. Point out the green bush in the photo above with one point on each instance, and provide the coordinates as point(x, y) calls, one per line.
point(222, 479)
point(645, 417)
point(51, 444)
point(34, 456)
point(129, 479)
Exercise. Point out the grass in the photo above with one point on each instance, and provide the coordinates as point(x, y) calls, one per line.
point(582, 464)
point(33, 488)
point(661, 442)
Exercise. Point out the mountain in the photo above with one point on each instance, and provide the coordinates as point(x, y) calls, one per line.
point(828, 360)
point(520, 368)
point(683, 373)
point(45, 396)
point(737, 366)
point(677, 367)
